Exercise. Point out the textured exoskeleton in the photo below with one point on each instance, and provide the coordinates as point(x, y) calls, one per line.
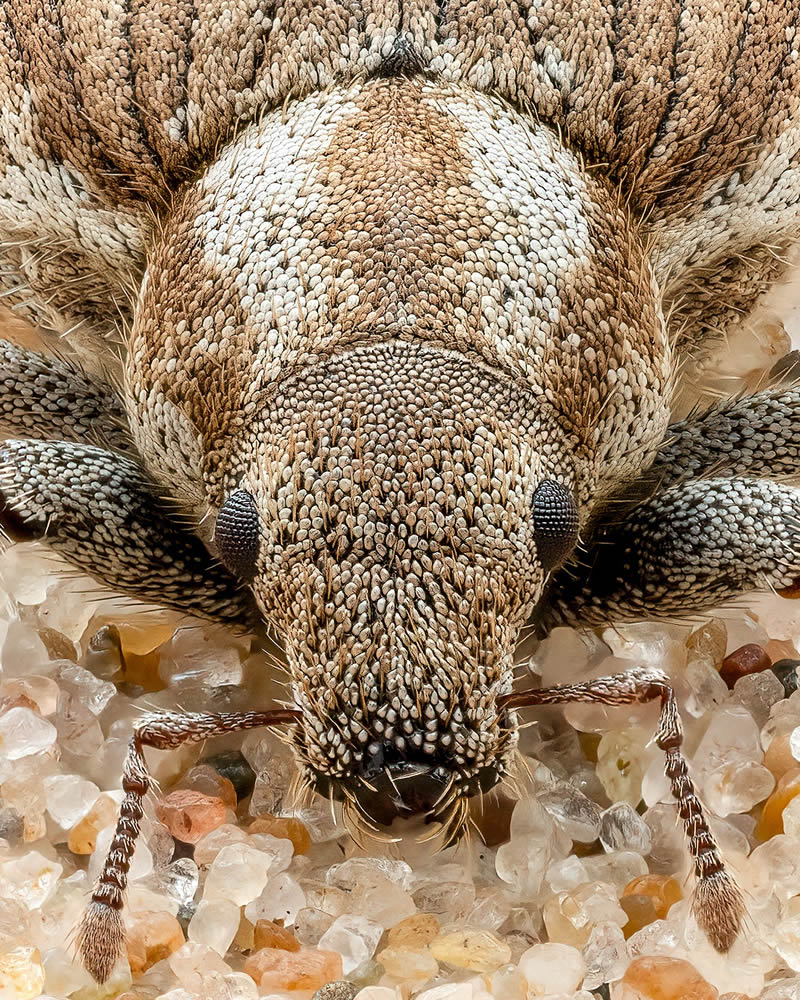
point(403, 289)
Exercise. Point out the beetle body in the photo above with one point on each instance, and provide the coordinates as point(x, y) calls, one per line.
point(402, 291)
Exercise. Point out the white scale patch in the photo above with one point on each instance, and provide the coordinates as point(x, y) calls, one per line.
point(263, 187)
point(267, 183)
point(543, 248)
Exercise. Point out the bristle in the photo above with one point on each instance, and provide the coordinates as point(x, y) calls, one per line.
point(718, 907)
point(100, 939)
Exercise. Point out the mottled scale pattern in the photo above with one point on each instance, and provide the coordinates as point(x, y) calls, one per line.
point(386, 267)
point(689, 106)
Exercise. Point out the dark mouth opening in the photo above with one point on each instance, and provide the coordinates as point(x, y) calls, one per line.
point(390, 787)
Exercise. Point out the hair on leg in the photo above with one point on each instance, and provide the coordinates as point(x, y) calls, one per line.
point(690, 547)
point(48, 397)
point(100, 510)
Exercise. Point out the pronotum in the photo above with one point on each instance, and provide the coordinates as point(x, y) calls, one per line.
point(403, 289)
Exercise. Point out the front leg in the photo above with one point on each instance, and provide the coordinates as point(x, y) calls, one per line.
point(100, 511)
point(49, 398)
point(755, 435)
point(688, 548)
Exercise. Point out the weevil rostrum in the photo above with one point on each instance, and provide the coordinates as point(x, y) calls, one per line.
point(404, 289)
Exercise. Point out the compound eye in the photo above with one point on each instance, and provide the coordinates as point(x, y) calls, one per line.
point(236, 534)
point(555, 523)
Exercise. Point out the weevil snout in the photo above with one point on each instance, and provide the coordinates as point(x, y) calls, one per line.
point(396, 513)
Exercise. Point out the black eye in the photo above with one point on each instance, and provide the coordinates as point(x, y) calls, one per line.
point(236, 534)
point(555, 523)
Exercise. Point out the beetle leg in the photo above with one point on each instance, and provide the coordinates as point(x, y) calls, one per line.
point(46, 397)
point(718, 904)
point(101, 934)
point(755, 435)
point(690, 547)
point(99, 510)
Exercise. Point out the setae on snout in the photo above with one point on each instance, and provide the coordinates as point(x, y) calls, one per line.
point(386, 786)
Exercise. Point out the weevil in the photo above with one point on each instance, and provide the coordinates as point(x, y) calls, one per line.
point(403, 291)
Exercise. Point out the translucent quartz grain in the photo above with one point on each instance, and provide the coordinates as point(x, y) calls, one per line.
point(268, 934)
point(571, 916)
point(310, 924)
point(648, 898)
point(208, 657)
point(660, 978)
point(535, 842)
point(189, 815)
point(706, 689)
point(210, 844)
point(450, 901)
point(507, 982)
point(63, 976)
point(82, 837)
point(15, 921)
point(198, 968)
point(377, 890)
point(622, 757)
point(709, 640)
point(732, 736)
point(29, 879)
point(204, 778)
point(621, 828)
point(354, 937)
point(786, 941)
point(239, 873)
point(281, 899)
point(151, 937)
point(737, 787)
point(82, 685)
point(575, 813)
point(214, 923)
point(605, 955)
point(758, 693)
point(283, 827)
point(771, 822)
point(43, 691)
point(552, 968)
point(615, 868)
point(791, 819)
point(307, 969)
point(179, 880)
point(408, 964)
point(23, 732)
point(416, 931)
point(69, 798)
point(470, 948)
point(491, 910)
point(21, 973)
point(272, 785)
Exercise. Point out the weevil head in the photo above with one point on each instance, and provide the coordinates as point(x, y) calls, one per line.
point(395, 341)
point(396, 512)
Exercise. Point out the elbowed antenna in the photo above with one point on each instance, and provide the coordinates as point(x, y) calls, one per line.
point(718, 905)
point(101, 934)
